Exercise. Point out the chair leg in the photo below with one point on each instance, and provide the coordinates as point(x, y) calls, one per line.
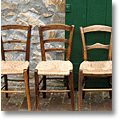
point(44, 86)
point(37, 89)
point(27, 89)
point(80, 91)
point(110, 85)
point(28, 75)
point(83, 93)
point(6, 84)
point(72, 90)
point(68, 86)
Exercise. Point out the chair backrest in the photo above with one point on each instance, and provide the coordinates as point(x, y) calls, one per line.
point(94, 28)
point(27, 51)
point(54, 27)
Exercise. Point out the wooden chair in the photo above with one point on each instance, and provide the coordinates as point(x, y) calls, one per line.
point(55, 67)
point(94, 68)
point(16, 67)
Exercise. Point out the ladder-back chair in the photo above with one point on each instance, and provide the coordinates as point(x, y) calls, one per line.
point(16, 67)
point(55, 67)
point(94, 68)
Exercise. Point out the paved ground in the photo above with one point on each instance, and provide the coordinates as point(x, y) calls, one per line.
point(94, 101)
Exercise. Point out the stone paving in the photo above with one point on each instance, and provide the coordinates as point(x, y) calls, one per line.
point(94, 101)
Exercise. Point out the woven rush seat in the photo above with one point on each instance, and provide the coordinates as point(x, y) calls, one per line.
point(13, 67)
point(96, 67)
point(54, 67)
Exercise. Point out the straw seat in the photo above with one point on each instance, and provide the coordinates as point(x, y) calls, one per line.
point(54, 67)
point(13, 67)
point(96, 67)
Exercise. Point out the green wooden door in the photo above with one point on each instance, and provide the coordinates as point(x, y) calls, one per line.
point(85, 13)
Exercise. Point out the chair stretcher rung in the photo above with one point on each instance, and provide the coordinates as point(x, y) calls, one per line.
point(3, 86)
point(12, 91)
point(96, 89)
point(17, 80)
point(41, 80)
point(55, 78)
point(54, 91)
point(2, 76)
point(69, 85)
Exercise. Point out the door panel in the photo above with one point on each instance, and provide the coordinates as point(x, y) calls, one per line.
point(85, 13)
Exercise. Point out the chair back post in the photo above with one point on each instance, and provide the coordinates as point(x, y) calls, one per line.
point(28, 43)
point(83, 44)
point(69, 49)
point(95, 28)
point(2, 50)
point(42, 43)
point(110, 49)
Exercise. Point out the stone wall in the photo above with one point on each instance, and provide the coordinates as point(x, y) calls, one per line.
point(35, 13)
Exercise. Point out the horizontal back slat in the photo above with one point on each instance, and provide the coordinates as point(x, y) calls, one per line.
point(14, 41)
point(5, 27)
point(97, 28)
point(56, 40)
point(97, 45)
point(15, 50)
point(55, 49)
point(53, 26)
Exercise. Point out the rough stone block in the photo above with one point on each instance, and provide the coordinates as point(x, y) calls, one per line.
point(58, 18)
point(10, 13)
point(7, 5)
point(52, 34)
point(61, 5)
point(29, 19)
point(19, 46)
point(59, 55)
point(9, 57)
point(47, 2)
point(47, 15)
